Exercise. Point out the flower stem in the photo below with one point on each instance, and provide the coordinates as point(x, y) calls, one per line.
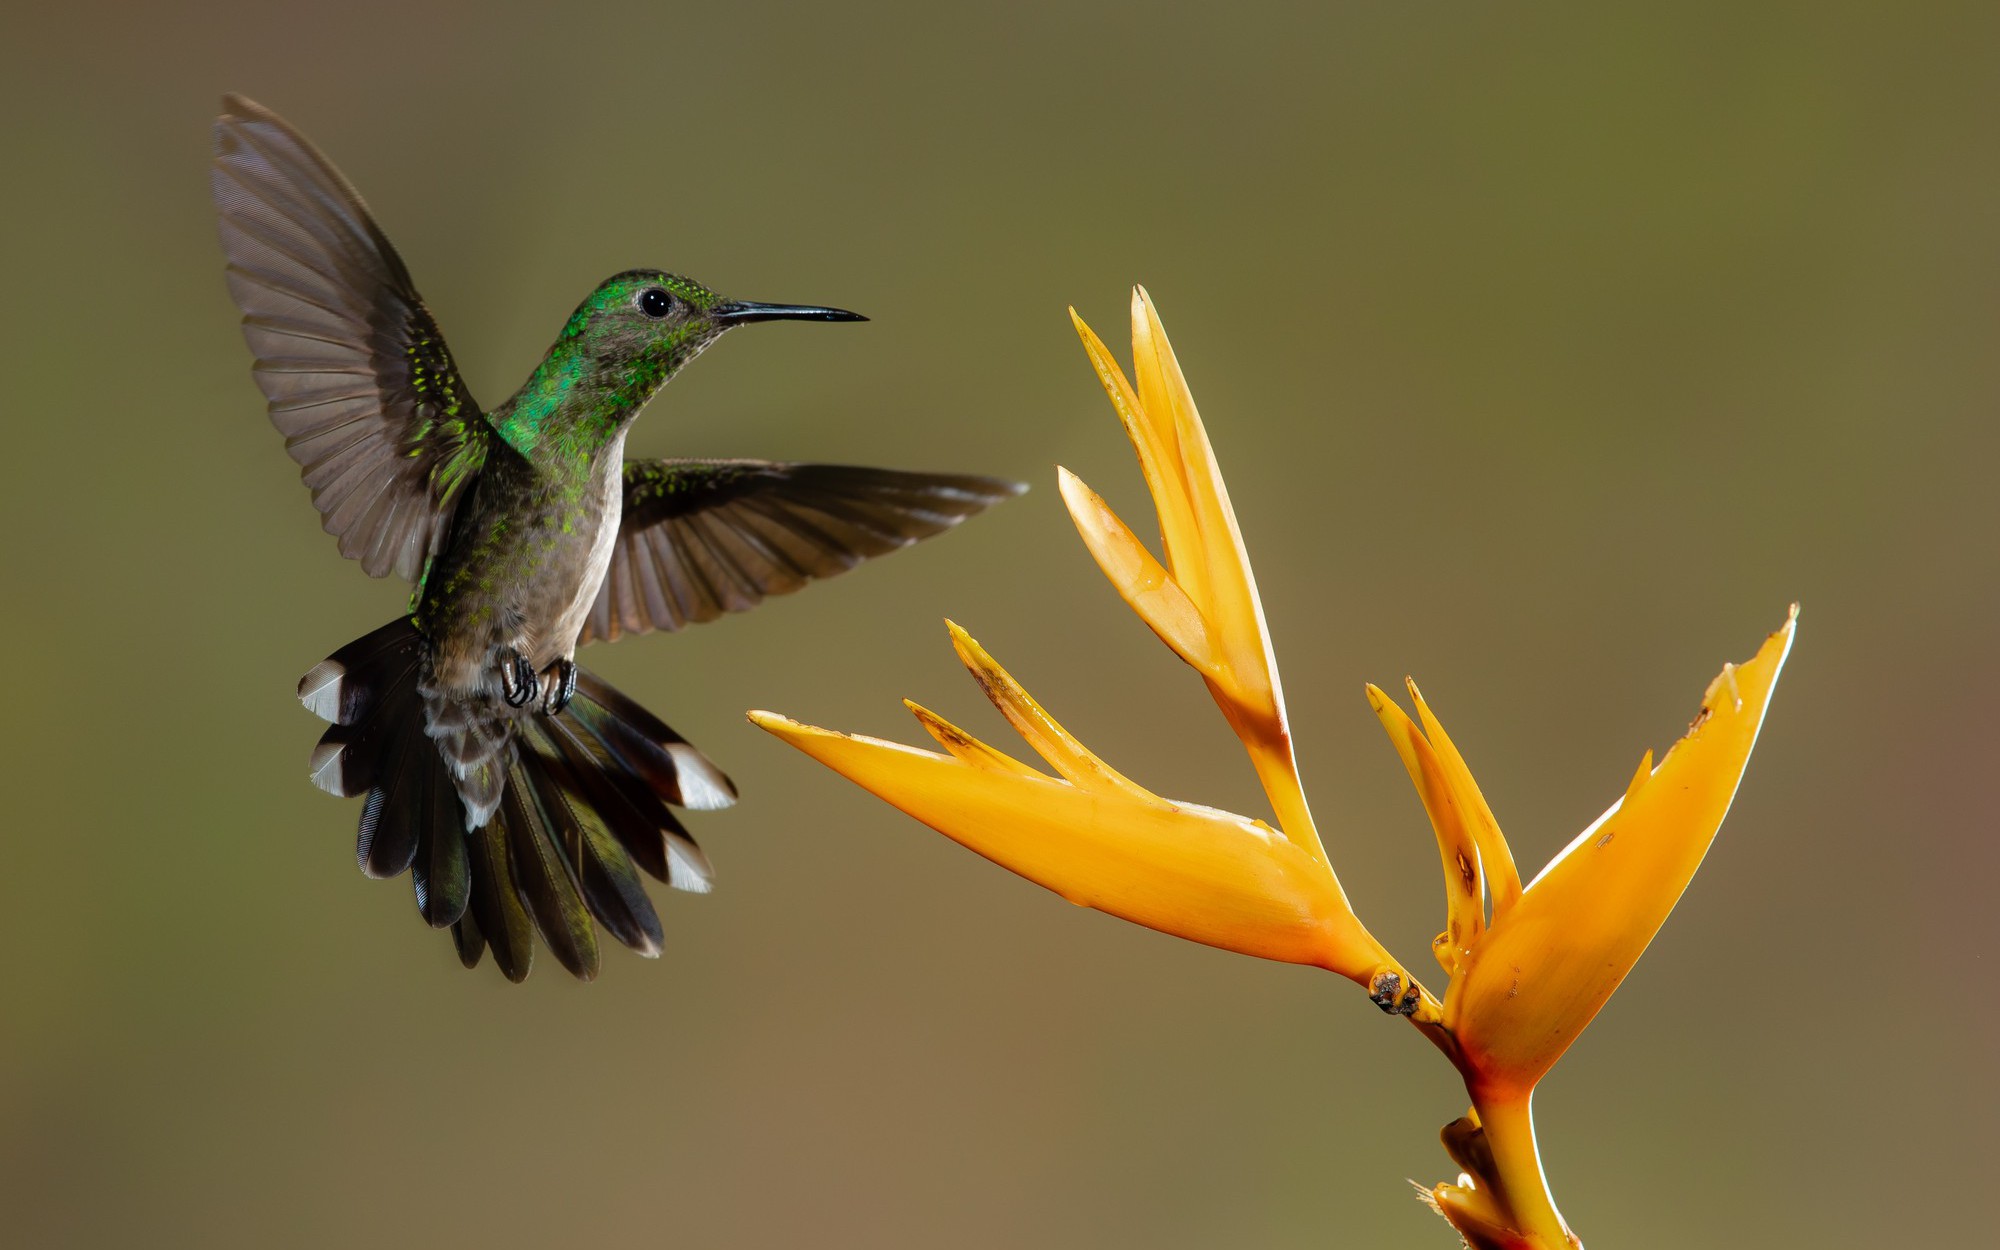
point(1508, 1119)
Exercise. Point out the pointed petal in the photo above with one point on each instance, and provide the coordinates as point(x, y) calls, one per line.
point(1142, 581)
point(1205, 875)
point(966, 747)
point(1546, 967)
point(1050, 740)
point(1159, 459)
point(1227, 591)
point(1465, 902)
point(1205, 558)
point(1496, 861)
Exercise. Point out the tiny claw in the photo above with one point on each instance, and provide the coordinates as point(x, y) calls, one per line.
point(560, 682)
point(518, 685)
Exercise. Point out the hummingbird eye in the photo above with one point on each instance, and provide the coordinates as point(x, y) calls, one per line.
point(655, 303)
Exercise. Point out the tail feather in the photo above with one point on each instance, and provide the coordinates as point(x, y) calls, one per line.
point(348, 760)
point(611, 885)
point(638, 816)
point(682, 775)
point(547, 879)
point(342, 687)
point(513, 823)
point(633, 811)
point(443, 876)
point(467, 937)
point(496, 903)
point(392, 821)
point(617, 896)
point(362, 688)
point(687, 864)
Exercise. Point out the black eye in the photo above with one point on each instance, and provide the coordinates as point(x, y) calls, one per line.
point(655, 303)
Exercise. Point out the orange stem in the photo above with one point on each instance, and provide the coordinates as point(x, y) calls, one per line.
point(1508, 1118)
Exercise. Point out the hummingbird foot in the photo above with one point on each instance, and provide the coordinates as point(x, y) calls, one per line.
point(518, 683)
point(559, 686)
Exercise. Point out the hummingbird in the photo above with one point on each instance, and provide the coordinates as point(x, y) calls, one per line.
point(523, 794)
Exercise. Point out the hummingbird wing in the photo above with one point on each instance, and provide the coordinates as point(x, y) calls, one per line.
point(703, 537)
point(359, 379)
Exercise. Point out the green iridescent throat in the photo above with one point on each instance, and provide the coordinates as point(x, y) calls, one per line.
point(593, 380)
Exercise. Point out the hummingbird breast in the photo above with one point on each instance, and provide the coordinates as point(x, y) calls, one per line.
point(527, 557)
point(607, 512)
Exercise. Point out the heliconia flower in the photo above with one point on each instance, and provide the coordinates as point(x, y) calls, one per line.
point(1525, 987)
point(1100, 839)
point(1530, 966)
point(1202, 602)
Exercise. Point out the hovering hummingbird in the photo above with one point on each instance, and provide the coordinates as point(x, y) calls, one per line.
point(523, 792)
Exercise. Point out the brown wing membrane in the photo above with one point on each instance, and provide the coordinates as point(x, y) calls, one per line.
point(704, 537)
point(359, 380)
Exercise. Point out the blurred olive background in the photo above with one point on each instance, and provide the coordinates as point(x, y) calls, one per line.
point(1551, 352)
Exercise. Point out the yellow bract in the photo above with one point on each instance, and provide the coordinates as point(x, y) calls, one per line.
point(1546, 966)
point(1203, 601)
point(1445, 803)
point(1101, 840)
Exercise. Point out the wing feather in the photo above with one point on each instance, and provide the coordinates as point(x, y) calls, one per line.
point(703, 537)
point(358, 377)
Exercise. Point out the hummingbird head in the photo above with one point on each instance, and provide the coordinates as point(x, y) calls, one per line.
point(619, 347)
point(650, 323)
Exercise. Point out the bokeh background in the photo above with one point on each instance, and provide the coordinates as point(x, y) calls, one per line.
point(1551, 353)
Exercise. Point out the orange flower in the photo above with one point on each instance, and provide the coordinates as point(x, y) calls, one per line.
point(1524, 987)
point(1530, 966)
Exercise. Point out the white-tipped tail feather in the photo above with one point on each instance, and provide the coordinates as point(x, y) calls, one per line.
point(704, 787)
point(516, 822)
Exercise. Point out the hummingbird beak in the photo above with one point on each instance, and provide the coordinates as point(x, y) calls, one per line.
point(738, 312)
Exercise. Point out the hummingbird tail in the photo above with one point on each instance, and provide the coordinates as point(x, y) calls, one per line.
point(377, 746)
point(542, 825)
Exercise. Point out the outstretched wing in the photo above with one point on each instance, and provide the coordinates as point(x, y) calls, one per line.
point(360, 381)
point(704, 537)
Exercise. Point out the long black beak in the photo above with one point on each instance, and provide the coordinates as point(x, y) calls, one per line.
point(738, 312)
